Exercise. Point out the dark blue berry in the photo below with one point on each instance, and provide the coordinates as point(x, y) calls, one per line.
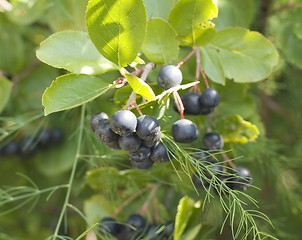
point(209, 98)
point(96, 119)
point(123, 122)
point(213, 141)
point(184, 131)
point(147, 127)
point(140, 154)
point(143, 165)
point(169, 76)
point(109, 225)
point(159, 153)
point(129, 143)
point(104, 132)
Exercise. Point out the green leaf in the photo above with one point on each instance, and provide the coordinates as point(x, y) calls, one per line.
point(5, 91)
point(235, 129)
point(27, 12)
point(246, 56)
point(184, 212)
point(106, 178)
point(160, 45)
point(117, 28)
point(234, 13)
point(192, 232)
point(73, 51)
point(190, 19)
point(159, 8)
point(140, 87)
point(212, 65)
point(67, 15)
point(72, 90)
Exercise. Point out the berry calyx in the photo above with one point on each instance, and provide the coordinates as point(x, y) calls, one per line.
point(184, 131)
point(213, 141)
point(104, 132)
point(169, 76)
point(209, 98)
point(123, 122)
point(140, 154)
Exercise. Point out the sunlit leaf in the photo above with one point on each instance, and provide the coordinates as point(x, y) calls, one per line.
point(140, 87)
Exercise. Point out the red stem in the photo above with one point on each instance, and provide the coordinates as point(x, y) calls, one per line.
point(137, 107)
point(187, 57)
point(179, 104)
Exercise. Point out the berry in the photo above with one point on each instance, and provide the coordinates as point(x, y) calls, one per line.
point(144, 165)
point(57, 135)
point(96, 119)
point(191, 103)
point(137, 221)
point(155, 232)
point(209, 98)
point(43, 137)
point(27, 146)
point(242, 178)
point(129, 143)
point(113, 144)
point(147, 127)
point(204, 156)
point(213, 141)
point(109, 225)
point(152, 142)
point(200, 182)
point(10, 149)
point(184, 131)
point(140, 154)
point(159, 153)
point(123, 122)
point(169, 76)
point(104, 133)
point(205, 110)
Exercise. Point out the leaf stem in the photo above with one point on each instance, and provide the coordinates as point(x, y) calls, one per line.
point(144, 208)
point(186, 58)
point(67, 197)
point(228, 160)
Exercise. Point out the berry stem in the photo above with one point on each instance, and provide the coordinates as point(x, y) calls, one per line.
point(228, 160)
point(179, 104)
point(129, 200)
point(186, 58)
point(144, 208)
point(197, 69)
point(137, 107)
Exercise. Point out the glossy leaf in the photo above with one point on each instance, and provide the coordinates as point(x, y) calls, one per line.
point(73, 51)
point(72, 90)
point(212, 65)
point(184, 212)
point(190, 19)
point(160, 45)
point(235, 129)
point(234, 13)
point(117, 28)
point(140, 87)
point(5, 91)
point(246, 56)
point(159, 8)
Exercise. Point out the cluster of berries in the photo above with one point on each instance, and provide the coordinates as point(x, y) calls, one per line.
point(204, 103)
point(28, 145)
point(136, 227)
point(138, 136)
point(239, 179)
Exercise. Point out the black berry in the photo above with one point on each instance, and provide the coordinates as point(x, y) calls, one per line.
point(205, 110)
point(144, 165)
point(56, 135)
point(123, 122)
point(10, 149)
point(113, 144)
point(104, 132)
point(129, 143)
point(242, 178)
point(147, 127)
point(109, 225)
point(96, 119)
point(44, 138)
point(159, 153)
point(209, 98)
point(136, 221)
point(184, 131)
point(169, 76)
point(199, 181)
point(213, 141)
point(191, 103)
point(152, 142)
point(27, 146)
point(140, 154)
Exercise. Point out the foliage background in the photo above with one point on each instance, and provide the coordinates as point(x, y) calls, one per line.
point(273, 105)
